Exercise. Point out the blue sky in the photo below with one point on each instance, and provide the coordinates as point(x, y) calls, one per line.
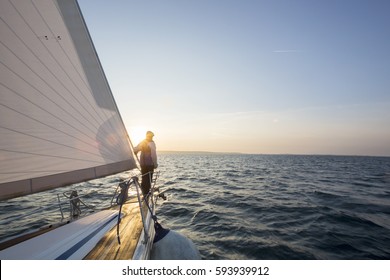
point(266, 76)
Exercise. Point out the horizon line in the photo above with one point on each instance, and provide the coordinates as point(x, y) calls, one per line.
point(270, 154)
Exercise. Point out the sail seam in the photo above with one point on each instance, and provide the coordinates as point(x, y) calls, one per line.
point(52, 56)
point(117, 147)
point(50, 141)
point(99, 68)
point(38, 76)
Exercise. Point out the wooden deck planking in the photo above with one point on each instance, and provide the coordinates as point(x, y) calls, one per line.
point(130, 227)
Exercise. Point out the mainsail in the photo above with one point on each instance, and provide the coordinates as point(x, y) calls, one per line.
point(59, 123)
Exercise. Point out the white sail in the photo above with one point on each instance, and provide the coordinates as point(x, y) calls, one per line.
point(59, 123)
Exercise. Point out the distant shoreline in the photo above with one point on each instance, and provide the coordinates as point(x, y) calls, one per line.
point(200, 152)
point(237, 153)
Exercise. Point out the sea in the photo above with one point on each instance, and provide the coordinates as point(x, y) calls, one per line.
point(251, 207)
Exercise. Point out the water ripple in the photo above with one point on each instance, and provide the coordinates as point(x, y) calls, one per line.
point(261, 206)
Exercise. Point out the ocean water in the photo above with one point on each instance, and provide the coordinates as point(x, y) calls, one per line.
point(236, 206)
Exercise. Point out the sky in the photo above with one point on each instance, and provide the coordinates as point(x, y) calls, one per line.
point(249, 76)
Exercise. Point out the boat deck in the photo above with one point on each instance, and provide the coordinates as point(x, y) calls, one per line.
point(130, 230)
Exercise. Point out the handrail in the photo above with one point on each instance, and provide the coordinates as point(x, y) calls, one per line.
point(137, 187)
point(146, 198)
point(51, 206)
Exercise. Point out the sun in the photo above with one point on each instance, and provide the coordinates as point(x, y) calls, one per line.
point(137, 134)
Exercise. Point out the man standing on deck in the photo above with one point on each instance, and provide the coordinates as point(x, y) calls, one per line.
point(148, 161)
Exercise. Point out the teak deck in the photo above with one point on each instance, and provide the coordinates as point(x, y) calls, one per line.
point(130, 229)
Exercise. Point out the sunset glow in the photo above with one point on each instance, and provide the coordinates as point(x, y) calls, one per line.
point(307, 77)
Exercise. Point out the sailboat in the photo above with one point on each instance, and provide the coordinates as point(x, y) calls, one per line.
point(59, 126)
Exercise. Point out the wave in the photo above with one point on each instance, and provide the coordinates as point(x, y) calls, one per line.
point(262, 206)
